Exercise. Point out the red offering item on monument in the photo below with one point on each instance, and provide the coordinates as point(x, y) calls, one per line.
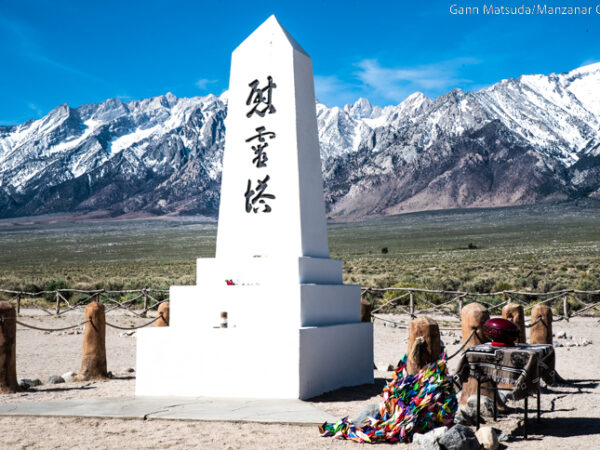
point(502, 332)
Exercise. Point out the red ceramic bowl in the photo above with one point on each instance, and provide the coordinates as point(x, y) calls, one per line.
point(501, 332)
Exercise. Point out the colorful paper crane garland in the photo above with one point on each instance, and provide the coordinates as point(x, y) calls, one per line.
point(412, 404)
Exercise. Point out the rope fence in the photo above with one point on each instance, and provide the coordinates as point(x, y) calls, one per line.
point(63, 303)
point(567, 303)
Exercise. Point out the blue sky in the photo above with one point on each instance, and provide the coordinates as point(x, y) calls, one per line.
point(80, 52)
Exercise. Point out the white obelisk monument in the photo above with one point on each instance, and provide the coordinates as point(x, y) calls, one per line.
point(293, 327)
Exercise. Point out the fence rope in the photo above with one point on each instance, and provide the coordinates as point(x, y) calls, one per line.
point(520, 297)
point(33, 327)
point(539, 319)
point(463, 345)
point(160, 316)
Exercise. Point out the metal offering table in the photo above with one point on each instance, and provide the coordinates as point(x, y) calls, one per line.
point(520, 366)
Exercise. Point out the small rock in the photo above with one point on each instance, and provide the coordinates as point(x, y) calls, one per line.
point(127, 333)
point(486, 405)
point(562, 335)
point(385, 367)
point(569, 336)
point(69, 376)
point(390, 324)
point(459, 437)
point(26, 383)
point(570, 344)
point(502, 437)
point(456, 341)
point(556, 344)
point(487, 438)
point(586, 342)
point(128, 370)
point(502, 397)
point(368, 411)
point(429, 440)
point(465, 415)
point(54, 379)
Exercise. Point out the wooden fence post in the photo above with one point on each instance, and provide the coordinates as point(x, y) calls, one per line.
point(163, 309)
point(566, 308)
point(424, 344)
point(412, 304)
point(18, 304)
point(365, 309)
point(8, 349)
point(57, 302)
point(472, 317)
point(514, 312)
point(145, 300)
point(541, 332)
point(93, 360)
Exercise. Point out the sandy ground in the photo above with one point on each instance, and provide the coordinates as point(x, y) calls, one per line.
point(570, 419)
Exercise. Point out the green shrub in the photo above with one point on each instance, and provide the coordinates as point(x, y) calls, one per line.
point(503, 286)
point(55, 285)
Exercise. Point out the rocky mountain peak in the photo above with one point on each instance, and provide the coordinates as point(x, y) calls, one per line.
point(525, 140)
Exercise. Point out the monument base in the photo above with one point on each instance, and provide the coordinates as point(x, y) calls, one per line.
point(269, 362)
point(283, 340)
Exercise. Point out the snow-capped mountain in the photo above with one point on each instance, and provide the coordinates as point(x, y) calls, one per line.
point(525, 140)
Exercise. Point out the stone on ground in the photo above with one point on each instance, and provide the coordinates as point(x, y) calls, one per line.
point(429, 440)
point(465, 415)
point(368, 411)
point(26, 383)
point(459, 437)
point(54, 379)
point(488, 438)
point(69, 376)
point(486, 405)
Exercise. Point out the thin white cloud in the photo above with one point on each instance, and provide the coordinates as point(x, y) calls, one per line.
point(204, 83)
point(385, 85)
point(36, 109)
point(22, 40)
point(331, 90)
point(396, 83)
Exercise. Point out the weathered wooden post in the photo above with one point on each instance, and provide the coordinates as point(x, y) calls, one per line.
point(146, 300)
point(424, 344)
point(566, 307)
point(472, 317)
point(57, 303)
point(8, 349)
point(93, 361)
point(18, 304)
point(163, 309)
point(541, 332)
point(412, 304)
point(365, 310)
point(515, 313)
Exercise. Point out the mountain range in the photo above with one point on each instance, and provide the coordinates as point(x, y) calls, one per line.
point(520, 141)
